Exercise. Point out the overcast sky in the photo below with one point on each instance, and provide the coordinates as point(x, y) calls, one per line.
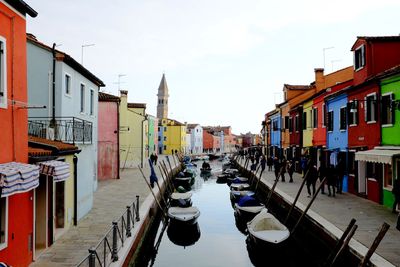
point(225, 61)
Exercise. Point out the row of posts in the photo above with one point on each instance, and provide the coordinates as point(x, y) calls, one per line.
point(114, 249)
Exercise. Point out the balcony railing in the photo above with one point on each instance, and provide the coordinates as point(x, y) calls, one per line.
point(66, 129)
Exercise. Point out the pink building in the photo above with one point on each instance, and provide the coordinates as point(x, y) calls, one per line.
point(108, 137)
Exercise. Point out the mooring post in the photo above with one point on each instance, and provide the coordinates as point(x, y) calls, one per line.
point(169, 163)
point(344, 245)
point(137, 208)
point(271, 191)
point(114, 253)
point(296, 198)
point(340, 242)
point(385, 227)
point(92, 257)
point(308, 206)
point(128, 221)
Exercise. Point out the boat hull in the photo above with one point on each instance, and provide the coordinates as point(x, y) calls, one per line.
point(180, 215)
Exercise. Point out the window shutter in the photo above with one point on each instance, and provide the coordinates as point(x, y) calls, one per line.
point(365, 108)
point(392, 108)
point(356, 113)
point(287, 126)
point(349, 106)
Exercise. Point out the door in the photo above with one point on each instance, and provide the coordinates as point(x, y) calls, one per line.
point(41, 215)
point(50, 211)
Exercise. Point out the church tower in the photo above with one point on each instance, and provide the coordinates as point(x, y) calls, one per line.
point(162, 106)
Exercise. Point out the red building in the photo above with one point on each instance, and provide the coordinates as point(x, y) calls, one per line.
point(208, 141)
point(372, 55)
point(17, 177)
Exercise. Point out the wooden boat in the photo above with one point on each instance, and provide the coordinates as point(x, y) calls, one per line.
point(187, 215)
point(237, 180)
point(239, 187)
point(205, 170)
point(181, 199)
point(233, 171)
point(265, 230)
point(248, 207)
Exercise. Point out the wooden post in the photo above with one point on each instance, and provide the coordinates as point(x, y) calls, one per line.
point(165, 181)
point(308, 206)
point(271, 192)
point(296, 198)
point(345, 244)
point(375, 244)
point(339, 243)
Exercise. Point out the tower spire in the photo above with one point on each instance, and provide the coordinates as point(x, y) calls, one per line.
point(162, 105)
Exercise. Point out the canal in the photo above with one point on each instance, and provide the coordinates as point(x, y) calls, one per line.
point(218, 239)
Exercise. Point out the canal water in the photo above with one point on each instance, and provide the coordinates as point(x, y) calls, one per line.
point(217, 240)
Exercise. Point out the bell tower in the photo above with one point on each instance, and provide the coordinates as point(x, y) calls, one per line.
point(162, 106)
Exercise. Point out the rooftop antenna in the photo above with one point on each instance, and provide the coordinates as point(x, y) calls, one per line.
point(119, 81)
point(323, 51)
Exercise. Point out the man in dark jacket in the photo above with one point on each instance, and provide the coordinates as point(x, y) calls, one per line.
point(277, 168)
point(312, 176)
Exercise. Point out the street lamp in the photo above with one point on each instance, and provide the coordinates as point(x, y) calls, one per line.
point(83, 46)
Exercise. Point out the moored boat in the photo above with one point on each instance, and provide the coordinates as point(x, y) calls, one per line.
point(237, 194)
point(183, 235)
point(248, 207)
point(187, 215)
point(181, 199)
point(239, 187)
point(237, 180)
point(266, 230)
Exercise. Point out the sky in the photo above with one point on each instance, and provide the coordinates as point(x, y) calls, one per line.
point(225, 61)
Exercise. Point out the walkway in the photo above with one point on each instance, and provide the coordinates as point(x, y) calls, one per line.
point(341, 209)
point(110, 201)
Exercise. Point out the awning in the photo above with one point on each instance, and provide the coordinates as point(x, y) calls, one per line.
point(378, 155)
point(18, 177)
point(58, 169)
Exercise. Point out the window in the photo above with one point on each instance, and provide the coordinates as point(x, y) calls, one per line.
point(91, 102)
point(286, 123)
point(82, 98)
point(324, 115)
point(165, 148)
point(165, 138)
point(159, 138)
point(315, 118)
point(352, 111)
point(330, 121)
point(297, 123)
point(343, 121)
point(370, 108)
point(387, 109)
point(304, 122)
point(158, 128)
point(290, 124)
point(165, 128)
point(275, 125)
point(67, 81)
point(3, 73)
point(3, 221)
point(359, 58)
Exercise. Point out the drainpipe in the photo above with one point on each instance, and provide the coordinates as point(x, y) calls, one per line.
point(75, 190)
point(53, 50)
point(142, 145)
point(118, 125)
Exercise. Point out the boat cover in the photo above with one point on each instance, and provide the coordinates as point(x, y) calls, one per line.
point(247, 201)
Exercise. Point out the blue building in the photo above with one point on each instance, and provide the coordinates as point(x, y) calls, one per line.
point(275, 133)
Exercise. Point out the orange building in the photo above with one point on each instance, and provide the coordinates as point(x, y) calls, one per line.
point(18, 179)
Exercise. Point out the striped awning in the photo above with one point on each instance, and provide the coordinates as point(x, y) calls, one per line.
point(378, 155)
point(16, 177)
point(58, 169)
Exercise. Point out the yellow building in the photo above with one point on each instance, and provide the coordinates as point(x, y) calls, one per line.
point(172, 136)
point(132, 133)
point(308, 124)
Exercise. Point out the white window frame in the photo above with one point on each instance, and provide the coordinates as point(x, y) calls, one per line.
point(362, 63)
point(366, 109)
point(3, 74)
point(353, 115)
point(5, 243)
point(91, 104)
point(82, 98)
point(388, 124)
point(67, 92)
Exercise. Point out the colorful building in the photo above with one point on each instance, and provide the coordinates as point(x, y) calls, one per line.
point(16, 202)
point(196, 139)
point(172, 136)
point(152, 135)
point(108, 137)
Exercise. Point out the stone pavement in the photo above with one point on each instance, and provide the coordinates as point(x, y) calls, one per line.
point(110, 201)
point(341, 209)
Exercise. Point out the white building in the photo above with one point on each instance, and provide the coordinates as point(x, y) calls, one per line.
point(196, 144)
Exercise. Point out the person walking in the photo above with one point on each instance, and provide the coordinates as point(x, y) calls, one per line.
point(312, 176)
point(283, 169)
point(290, 170)
point(331, 180)
point(321, 176)
point(155, 159)
point(340, 174)
point(396, 194)
point(270, 162)
point(263, 161)
point(303, 165)
point(277, 168)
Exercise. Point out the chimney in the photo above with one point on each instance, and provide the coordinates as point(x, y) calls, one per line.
point(123, 92)
point(319, 79)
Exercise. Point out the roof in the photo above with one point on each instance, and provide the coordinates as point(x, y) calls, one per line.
point(163, 87)
point(297, 87)
point(38, 152)
point(22, 7)
point(67, 59)
point(394, 38)
point(108, 98)
point(136, 105)
point(50, 144)
point(192, 125)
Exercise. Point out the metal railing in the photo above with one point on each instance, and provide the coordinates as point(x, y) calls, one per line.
point(106, 251)
point(65, 129)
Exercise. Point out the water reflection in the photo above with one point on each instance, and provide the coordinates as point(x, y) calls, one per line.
point(183, 234)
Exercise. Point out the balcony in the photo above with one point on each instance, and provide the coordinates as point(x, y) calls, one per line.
point(66, 129)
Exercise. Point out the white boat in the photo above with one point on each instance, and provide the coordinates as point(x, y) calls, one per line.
point(231, 171)
point(265, 229)
point(237, 194)
point(248, 207)
point(239, 187)
point(181, 199)
point(187, 215)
